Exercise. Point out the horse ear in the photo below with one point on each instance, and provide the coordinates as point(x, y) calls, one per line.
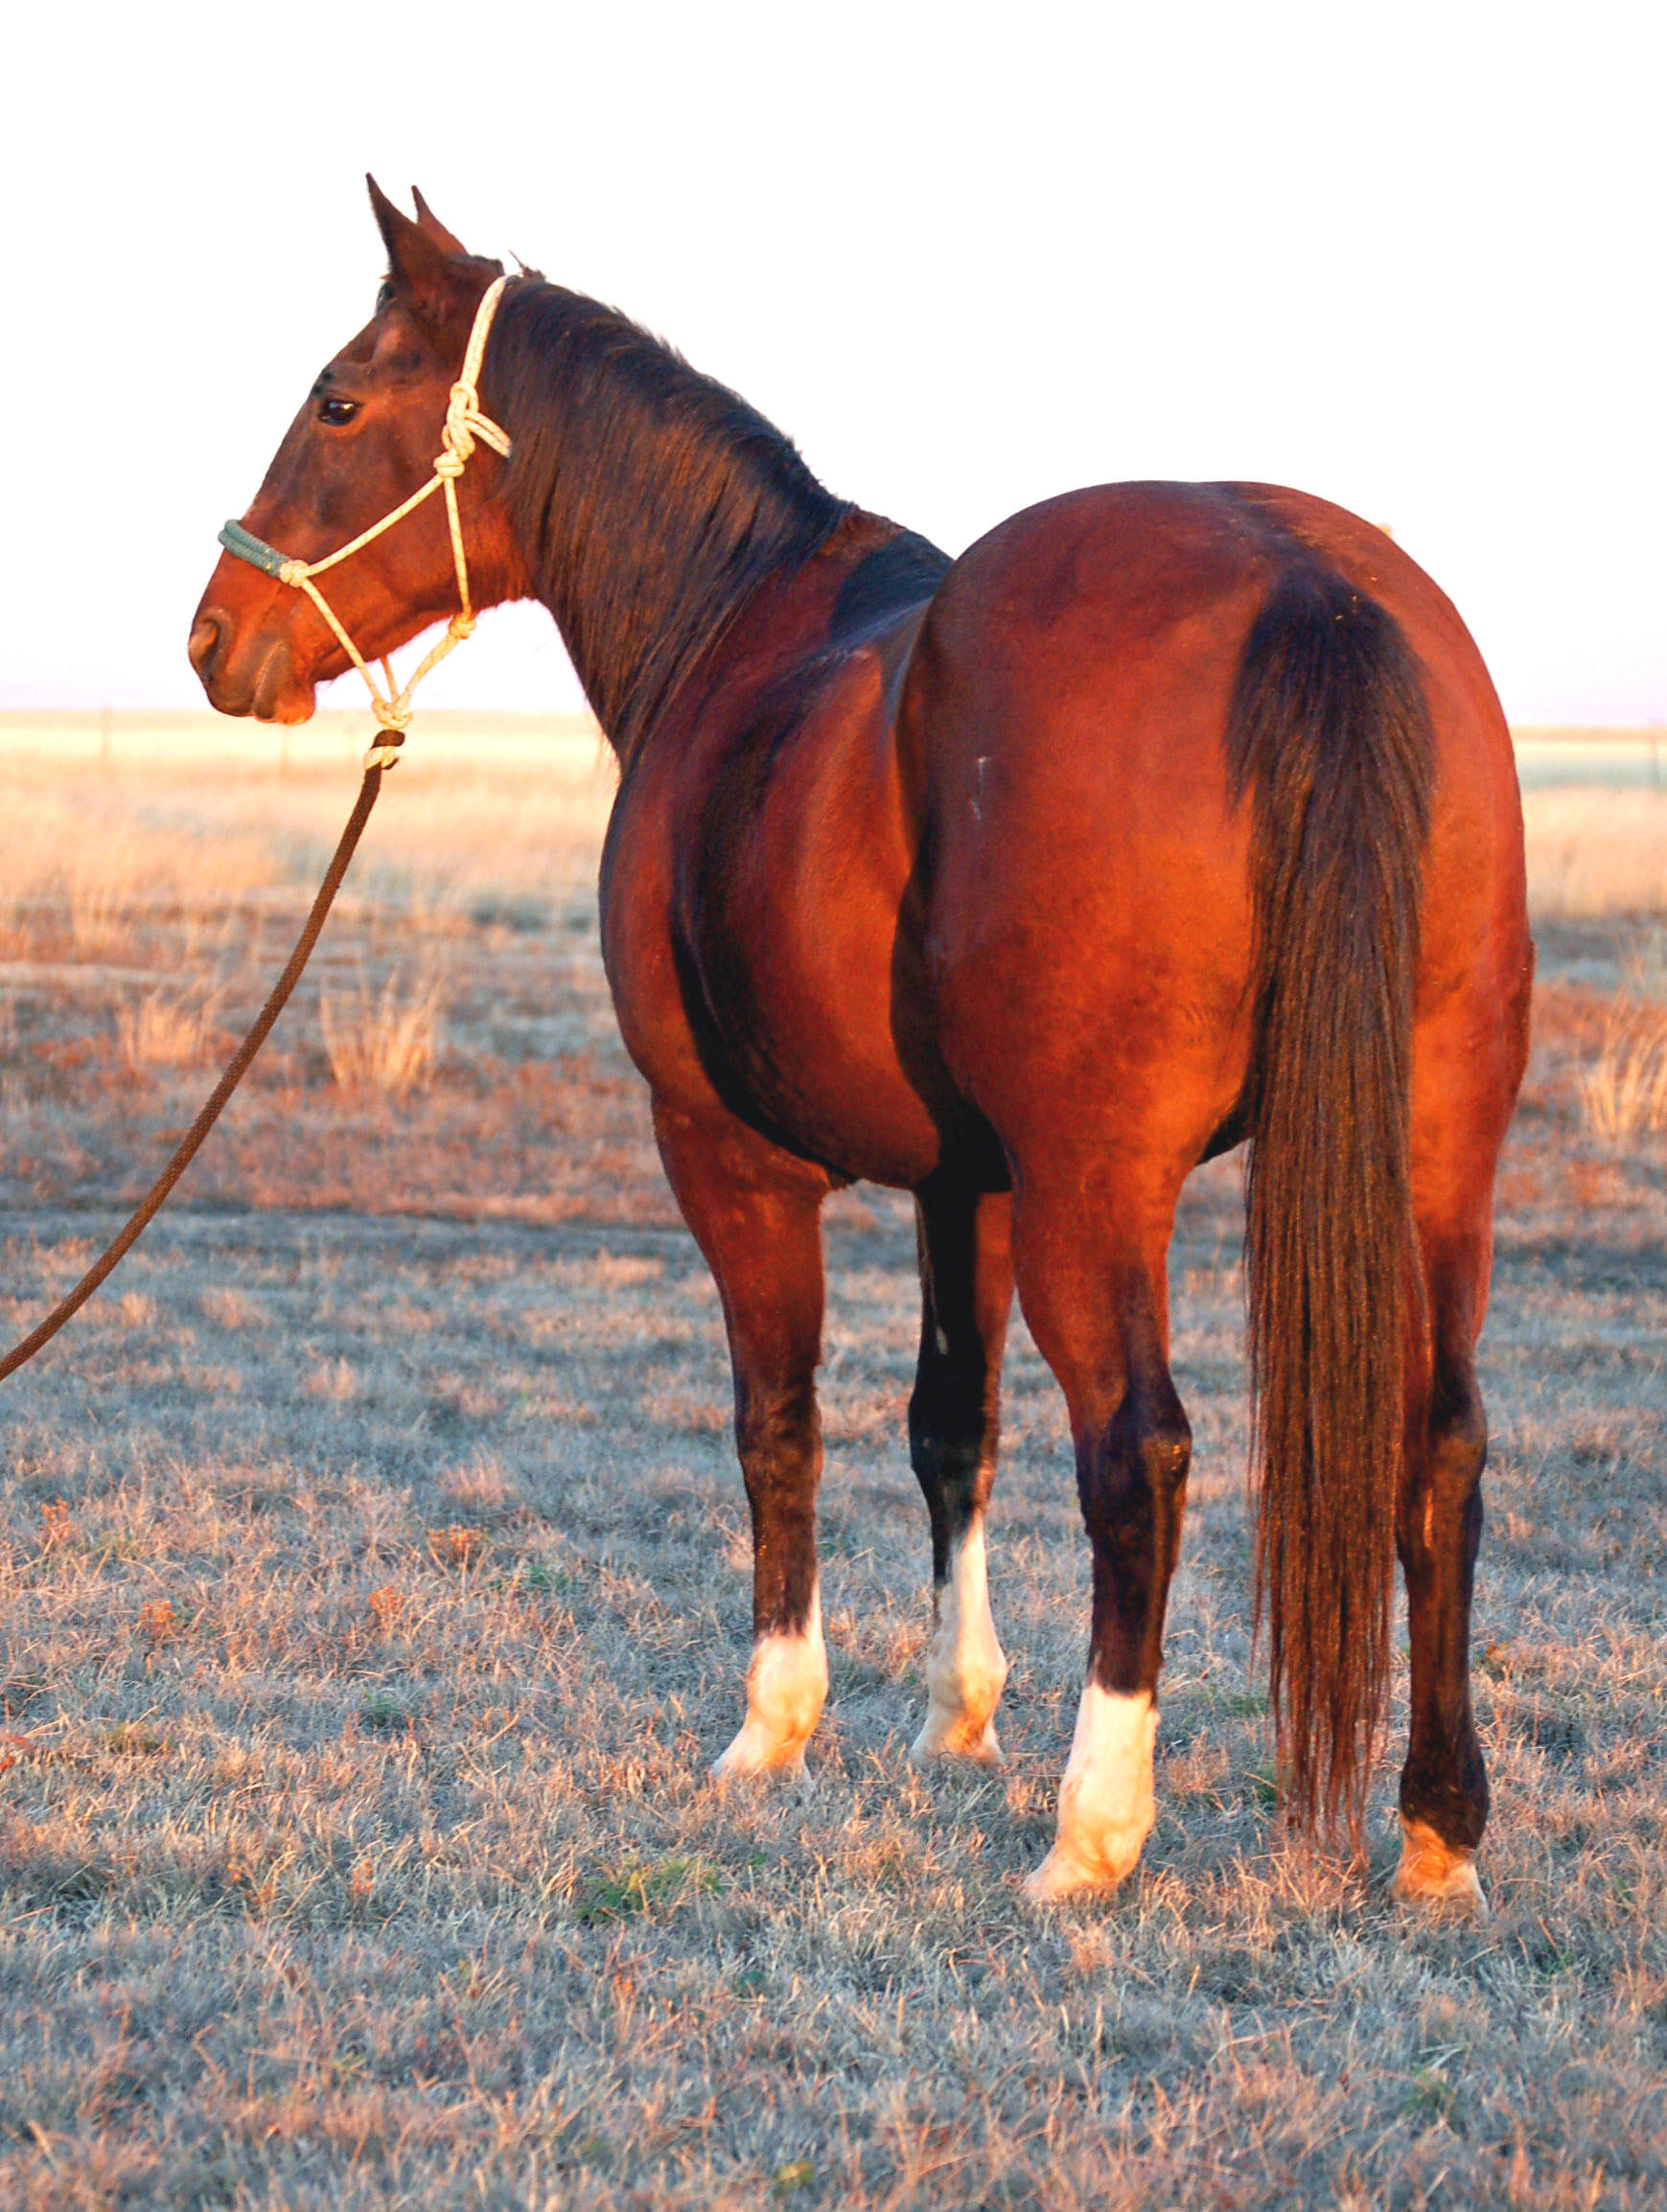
point(422, 270)
point(428, 221)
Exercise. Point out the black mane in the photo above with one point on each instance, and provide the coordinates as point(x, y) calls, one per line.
point(650, 499)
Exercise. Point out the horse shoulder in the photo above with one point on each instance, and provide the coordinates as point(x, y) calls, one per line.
point(755, 886)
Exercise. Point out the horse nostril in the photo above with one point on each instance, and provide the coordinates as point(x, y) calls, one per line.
point(206, 634)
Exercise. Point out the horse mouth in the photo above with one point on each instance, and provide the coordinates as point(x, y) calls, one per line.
point(279, 695)
point(271, 694)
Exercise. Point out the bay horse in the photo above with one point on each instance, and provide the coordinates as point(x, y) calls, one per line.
point(1168, 818)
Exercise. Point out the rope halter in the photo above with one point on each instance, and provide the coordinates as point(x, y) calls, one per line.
point(465, 425)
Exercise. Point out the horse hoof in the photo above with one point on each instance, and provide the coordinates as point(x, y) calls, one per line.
point(1436, 1876)
point(1065, 1874)
point(754, 1757)
point(742, 1767)
point(944, 1742)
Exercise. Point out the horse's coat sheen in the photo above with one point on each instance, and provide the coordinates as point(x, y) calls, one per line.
point(1167, 817)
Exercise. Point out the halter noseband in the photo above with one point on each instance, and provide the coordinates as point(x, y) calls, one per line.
point(464, 425)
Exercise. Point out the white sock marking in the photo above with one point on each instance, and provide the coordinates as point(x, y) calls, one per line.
point(967, 1667)
point(1106, 1807)
point(786, 1690)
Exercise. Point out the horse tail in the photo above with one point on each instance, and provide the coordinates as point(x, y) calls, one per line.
point(1331, 733)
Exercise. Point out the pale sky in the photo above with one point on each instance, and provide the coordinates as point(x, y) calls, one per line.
point(1410, 258)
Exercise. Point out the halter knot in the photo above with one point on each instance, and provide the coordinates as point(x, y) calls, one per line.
point(450, 463)
point(393, 714)
point(292, 572)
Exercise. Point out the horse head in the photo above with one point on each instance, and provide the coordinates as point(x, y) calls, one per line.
point(364, 441)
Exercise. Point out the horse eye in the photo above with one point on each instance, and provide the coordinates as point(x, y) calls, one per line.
point(336, 412)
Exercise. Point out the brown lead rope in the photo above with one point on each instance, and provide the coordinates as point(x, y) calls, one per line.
point(191, 1144)
point(464, 425)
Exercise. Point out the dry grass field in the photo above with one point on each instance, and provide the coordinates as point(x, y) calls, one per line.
point(374, 1591)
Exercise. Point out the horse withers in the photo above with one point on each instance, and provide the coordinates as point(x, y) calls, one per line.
point(1168, 818)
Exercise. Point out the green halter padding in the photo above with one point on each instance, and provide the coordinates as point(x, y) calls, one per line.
point(253, 549)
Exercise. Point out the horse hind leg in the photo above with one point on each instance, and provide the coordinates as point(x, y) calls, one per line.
point(1132, 1477)
point(1443, 1785)
point(1097, 1307)
point(966, 1292)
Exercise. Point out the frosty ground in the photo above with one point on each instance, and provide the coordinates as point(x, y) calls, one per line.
point(376, 1591)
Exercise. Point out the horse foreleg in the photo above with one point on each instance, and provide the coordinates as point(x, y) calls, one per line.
point(755, 1211)
point(967, 1288)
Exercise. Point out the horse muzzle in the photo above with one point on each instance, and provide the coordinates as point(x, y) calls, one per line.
point(247, 671)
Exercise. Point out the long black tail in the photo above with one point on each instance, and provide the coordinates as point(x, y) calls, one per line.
point(1331, 735)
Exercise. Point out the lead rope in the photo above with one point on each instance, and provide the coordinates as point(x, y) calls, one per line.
point(464, 425)
point(191, 1144)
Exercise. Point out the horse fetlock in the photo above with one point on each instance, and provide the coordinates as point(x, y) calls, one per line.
point(967, 1668)
point(1436, 1873)
point(961, 1694)
point(1106, 1801)
point(786, 1690)
point(948, 1735)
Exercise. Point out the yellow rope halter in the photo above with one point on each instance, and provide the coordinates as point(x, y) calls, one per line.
point(464, 425)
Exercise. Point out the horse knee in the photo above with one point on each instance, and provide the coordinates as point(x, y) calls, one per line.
point(954, 1481)
point(778, 1441)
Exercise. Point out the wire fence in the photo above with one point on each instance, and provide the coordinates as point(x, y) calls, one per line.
point(334, 738)
point(1618, 759)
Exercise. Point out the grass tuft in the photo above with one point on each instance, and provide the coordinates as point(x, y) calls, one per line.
point(133, 1740)
point(1623, 1093)
point(456, 1545)
point(158, 1621)
point(164, 1030)
point(381, 1714)
point(389, 1041)
point(640, 1889)
point(386, 1605)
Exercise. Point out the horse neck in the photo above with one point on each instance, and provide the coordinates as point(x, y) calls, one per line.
point(650, 503)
